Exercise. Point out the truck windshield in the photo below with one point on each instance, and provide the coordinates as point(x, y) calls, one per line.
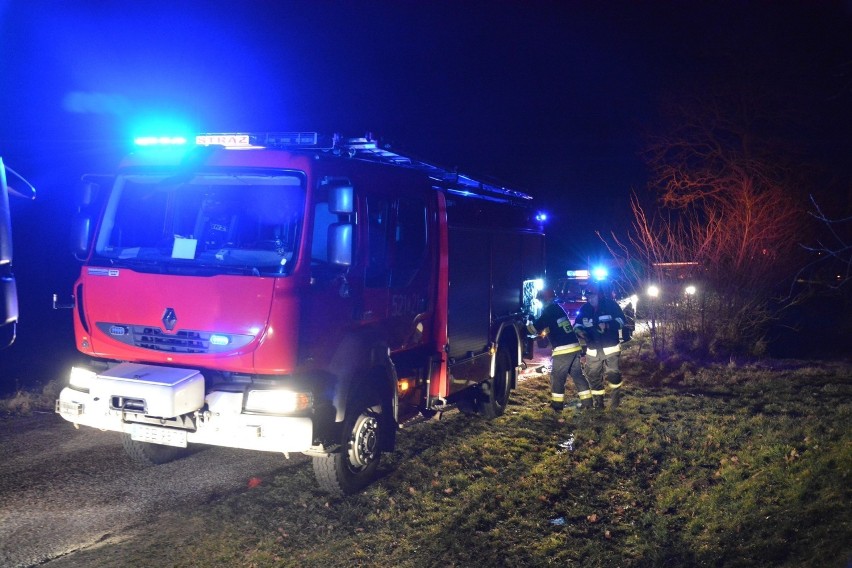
point(204, 223)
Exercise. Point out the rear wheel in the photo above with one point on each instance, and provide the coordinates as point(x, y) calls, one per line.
point(147, 454)
point(494, 395)
point(353, 467)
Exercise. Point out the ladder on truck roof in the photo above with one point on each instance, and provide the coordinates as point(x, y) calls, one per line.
point(365, 148)
point(453, 181)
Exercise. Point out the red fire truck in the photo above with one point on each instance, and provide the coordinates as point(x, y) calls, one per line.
point(284, 293)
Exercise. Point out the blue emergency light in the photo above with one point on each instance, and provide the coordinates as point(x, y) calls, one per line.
point(160, 141)
point(599, 273)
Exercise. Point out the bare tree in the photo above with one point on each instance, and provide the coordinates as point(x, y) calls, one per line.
point(833, 250)
point(726, 205)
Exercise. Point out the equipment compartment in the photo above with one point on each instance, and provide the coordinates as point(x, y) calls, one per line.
point(164, 392)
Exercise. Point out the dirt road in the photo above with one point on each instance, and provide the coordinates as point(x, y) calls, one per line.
point(63, 491)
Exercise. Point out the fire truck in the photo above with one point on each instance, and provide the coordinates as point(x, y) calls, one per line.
point(289, 292)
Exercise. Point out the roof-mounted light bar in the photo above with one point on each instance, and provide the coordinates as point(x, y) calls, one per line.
point(160, 141)
point(276, 140)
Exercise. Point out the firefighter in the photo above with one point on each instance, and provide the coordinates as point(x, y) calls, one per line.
point(556, 326)
point(629, 322)
point(597, 325)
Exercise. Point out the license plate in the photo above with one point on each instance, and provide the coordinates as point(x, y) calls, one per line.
point(156, 435)
point(69, 408)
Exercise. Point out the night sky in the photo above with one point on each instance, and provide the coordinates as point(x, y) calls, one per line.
point(553, 98)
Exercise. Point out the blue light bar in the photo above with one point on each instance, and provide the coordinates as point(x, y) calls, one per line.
point(160, 141)
point(280, 140)
point(599, 272)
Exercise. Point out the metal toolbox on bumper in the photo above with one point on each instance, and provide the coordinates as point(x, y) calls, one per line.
point(164, 392)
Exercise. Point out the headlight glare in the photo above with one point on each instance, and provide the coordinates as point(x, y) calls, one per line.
point(81, 379)
point(276, 401)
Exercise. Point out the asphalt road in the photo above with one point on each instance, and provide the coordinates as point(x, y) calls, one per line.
point(63, 491)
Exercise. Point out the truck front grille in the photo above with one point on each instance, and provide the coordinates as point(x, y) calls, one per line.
point(181, 341)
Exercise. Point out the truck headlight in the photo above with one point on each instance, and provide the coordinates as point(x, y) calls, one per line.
point(276, 401)
point(81, 379)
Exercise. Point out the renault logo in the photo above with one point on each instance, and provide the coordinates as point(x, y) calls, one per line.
point(169, 319)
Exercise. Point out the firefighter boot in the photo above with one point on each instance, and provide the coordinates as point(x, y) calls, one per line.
point(615, 400)
point(557, 406)
point(585, 404)
point(598, 402)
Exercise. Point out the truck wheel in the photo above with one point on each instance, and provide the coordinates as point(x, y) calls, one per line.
point(494, 395)
point(146, 454)
point(352, 468)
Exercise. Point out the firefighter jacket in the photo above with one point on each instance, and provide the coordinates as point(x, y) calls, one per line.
point(599, 327)
point(557, 326)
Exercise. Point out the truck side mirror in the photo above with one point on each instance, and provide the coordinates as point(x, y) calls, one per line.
point(89, 195)
point(341, 199)
point(340, 244)
point(89, 191)
point(81, 228)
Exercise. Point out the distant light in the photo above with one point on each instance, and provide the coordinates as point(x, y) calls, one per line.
point(539, 284)
point(160, 141)
point(599, 272)
point(653, 291)
point(690, 290)
point(541, 217)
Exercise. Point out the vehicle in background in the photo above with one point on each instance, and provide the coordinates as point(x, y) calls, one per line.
point(571, 295)
point(8, 287)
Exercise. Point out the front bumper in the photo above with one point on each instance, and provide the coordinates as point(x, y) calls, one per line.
point(219, 420)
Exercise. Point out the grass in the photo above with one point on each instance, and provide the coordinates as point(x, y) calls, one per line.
point(730, 465)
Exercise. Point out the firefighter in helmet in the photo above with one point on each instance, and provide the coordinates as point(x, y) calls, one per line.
point(556, 326)
point(597, 325)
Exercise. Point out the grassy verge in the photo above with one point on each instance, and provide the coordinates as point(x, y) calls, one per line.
point(718, 466)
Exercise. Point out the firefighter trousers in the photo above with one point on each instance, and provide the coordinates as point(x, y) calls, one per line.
point(564, 366)
point(600, 366)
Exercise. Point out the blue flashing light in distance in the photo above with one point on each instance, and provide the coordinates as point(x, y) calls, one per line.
point(541, 217)
point(599, 273)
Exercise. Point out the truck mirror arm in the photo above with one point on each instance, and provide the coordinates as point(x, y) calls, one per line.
point(31, 191)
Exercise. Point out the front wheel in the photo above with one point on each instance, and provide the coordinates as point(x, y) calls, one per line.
point(352, 468)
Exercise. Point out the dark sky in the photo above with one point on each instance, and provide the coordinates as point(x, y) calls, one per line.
point(554, 98)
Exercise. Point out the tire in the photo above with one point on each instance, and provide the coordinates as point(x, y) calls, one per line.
point(494, 393)
point(353, 467)
point(146, 454)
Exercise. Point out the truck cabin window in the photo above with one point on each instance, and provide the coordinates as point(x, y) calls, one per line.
point(397, 241)
point(229, 223)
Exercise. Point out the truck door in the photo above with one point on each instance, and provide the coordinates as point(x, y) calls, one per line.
point(397, 275)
